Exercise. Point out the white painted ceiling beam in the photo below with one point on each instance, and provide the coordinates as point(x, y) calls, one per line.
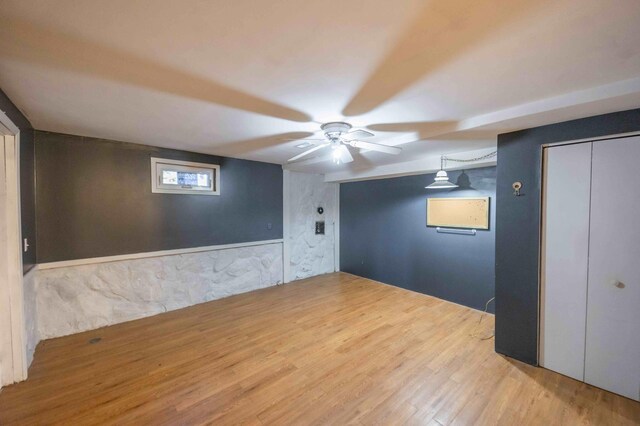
point(428, 164)
point(545, 111)
point(577, 104)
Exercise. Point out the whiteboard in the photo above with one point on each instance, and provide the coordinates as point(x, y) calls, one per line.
point(458, 212)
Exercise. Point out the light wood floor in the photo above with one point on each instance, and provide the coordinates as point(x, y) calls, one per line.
point(334, 349)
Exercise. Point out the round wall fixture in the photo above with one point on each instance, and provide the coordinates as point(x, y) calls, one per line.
point(320, 210)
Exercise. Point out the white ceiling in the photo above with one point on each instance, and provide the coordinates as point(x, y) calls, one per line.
point(235, 78)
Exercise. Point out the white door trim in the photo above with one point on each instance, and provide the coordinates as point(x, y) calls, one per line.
point(593, 139)
point(10, 137)
point(336, 230)
point(286, 225)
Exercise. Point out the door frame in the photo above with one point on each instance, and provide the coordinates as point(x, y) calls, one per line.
point(10, 144)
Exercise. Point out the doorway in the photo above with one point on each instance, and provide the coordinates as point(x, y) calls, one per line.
point(13, 364)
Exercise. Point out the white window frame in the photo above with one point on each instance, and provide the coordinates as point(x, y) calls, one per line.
point(156, 169)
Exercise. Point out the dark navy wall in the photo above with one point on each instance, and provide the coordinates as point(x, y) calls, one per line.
point(94, 199)
point(27, 179)
point(518, 225)
point(383, 236)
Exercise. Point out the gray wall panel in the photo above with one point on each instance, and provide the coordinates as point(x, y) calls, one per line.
point(383, 236)
point(94, 199)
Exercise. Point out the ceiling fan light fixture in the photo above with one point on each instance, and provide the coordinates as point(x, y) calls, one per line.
point(336, 155)
point(339, 137)
point(340, 154)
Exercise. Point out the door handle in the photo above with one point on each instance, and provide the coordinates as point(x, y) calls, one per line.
point(618, 284)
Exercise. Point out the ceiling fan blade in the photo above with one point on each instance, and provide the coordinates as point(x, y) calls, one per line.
point(376, 147)
point(38, 42)
point(309, 151)
point(354, 134)
point(239, 147)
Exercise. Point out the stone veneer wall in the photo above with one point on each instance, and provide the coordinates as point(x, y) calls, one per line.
point(311, 254)
point(79, 298)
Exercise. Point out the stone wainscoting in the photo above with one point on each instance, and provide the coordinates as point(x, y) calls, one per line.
point(32, 336)
point(78, 298)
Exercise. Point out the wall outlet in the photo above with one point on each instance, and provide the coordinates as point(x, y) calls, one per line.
point(269, 226)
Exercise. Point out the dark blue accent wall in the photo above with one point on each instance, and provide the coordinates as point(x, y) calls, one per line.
point(518, 224)
point(27, 178)
point(94, 199)
point(383, 236)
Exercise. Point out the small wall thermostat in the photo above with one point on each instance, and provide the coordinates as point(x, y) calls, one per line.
point(320, 210)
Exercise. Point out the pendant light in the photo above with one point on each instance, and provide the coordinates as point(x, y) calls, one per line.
point(442, 179)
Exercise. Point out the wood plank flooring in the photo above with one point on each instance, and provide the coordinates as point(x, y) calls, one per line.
point(334, 349)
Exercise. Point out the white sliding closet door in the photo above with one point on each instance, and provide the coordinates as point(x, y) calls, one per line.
point(612, 359)
point(565, 258)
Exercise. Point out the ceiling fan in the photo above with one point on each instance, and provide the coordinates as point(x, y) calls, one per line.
point(339, 136)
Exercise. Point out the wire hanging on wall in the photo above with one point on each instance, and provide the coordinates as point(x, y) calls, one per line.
point(485, 313)
point(470, 160)
point(441, 180)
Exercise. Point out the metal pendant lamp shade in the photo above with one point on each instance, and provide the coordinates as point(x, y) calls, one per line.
point(442, 179)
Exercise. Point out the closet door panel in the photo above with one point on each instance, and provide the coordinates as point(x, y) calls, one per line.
point(565, 258)
point(612, 358)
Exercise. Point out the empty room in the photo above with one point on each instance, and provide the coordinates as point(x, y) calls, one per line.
point(368, 212)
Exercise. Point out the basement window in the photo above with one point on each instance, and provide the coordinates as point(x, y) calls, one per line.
point(184, 177)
